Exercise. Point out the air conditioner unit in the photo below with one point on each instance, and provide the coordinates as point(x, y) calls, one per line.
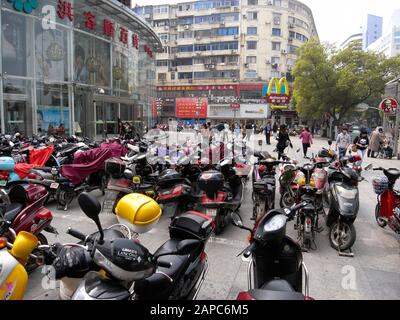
point(236, 9)
point(147, 16)
point(284, 52)
point(190, 81)
point(270, 3)
point(222, 23)
point(277, 22)
point(244, 16)
point(186, 27)
point(233, 51)
point(290, 68)
point(165, 41)
point(166, 27)
point(198, 53)
point(291, 25)
point(234, 79)
point(246, 65)
point(290, 39)
point(198, 38)
point(267, 61)
point(236, 36)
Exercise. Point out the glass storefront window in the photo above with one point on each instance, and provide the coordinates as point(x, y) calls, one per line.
point(120, 68)
point(91, 60)
point(52, 109)
point(15, 55)
point(17, 105)
point(51, 53)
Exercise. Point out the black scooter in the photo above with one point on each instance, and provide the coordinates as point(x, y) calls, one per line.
point(276, 267)
point(175, 271)
point(341, 201)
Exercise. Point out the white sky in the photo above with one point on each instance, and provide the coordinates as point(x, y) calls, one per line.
point(335, 19)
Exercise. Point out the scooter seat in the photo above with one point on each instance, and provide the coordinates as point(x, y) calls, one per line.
point(159, 285)
point(12, 210)
point(278, 285)
point(276, 290)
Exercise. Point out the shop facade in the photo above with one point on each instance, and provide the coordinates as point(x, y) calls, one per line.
point(79, 65)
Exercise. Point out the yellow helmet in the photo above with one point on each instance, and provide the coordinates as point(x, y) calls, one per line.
point(138, 212)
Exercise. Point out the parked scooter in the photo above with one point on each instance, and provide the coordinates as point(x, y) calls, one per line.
point(22, 209)
point(341, 198)
point(276, 262)
point(176, 270)
point(387, 211)
point(221, 194)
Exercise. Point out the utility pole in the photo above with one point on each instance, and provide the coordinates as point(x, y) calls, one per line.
point(396, 127)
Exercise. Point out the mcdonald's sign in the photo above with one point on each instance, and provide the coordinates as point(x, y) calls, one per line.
point(277, 93)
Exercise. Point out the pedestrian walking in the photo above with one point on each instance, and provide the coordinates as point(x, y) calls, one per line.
point(267, 131)
point(283, 141)
point(275, 130)
point(343, 141)
point(361, 142)
point(376, 142)
point(306, 140)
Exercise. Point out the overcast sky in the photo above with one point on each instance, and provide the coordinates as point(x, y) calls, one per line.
point(335, 19)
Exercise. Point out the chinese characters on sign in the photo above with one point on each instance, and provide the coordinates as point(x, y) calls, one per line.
point(197, 88)
point(65, 10)
point(191, 108)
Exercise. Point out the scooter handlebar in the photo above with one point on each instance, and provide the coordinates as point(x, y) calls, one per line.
point(76, 234)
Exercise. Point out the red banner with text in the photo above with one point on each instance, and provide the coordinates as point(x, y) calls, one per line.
point(191, 108)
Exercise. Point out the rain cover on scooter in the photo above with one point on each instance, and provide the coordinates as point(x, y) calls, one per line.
point(95, 160)
point(37, 158)
point(117, 149)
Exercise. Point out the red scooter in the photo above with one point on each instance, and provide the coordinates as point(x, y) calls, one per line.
point(387, 210)
point(22, 209)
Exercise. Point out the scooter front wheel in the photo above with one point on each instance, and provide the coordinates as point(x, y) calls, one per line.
point(343, 235)
point(379, 220)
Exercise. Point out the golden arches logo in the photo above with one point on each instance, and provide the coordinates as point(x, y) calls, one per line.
point(278, 86)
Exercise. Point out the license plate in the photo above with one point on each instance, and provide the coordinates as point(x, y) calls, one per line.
point(211, 212)
point(3, 183)
point(54, 185)
point(109, 201)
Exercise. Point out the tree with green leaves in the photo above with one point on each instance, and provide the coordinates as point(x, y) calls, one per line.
point(332, 83)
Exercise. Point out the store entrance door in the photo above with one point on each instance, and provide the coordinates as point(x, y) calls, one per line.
point(15, 110)
point(106, 118)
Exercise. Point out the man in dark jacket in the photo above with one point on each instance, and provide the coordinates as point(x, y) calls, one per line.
point(267, 131)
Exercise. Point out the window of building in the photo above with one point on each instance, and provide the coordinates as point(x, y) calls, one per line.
point(292, 49)
point(184, 62)
point(162, 76)
point(185, 75)
point(162, 63)
point(251, 31)
point(164, 36)
point(275, 60)
point(276, 46)
point(252, 15)
point(185, 34)
point(252, 2)
point(277, 3)
point(275, 74)
point(172, 75)
point(160, 9)
point(251, 59)
point(188, 48)
point(251, 45)
point(276, 32)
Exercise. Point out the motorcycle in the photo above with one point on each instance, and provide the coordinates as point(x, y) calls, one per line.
point(387, 211)
point(276, 262)
point(22, 209)
point(341, 198)
point(221, 193)
point(112, 267)
point(264, 184)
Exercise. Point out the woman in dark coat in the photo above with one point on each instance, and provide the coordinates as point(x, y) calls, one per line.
point(283, 141)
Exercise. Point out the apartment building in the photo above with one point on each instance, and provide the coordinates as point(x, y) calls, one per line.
point(225, 51)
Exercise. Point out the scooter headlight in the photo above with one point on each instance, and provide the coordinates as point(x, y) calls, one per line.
point(275, 223)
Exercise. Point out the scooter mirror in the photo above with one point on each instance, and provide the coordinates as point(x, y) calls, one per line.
point(237, 220)
point(91, 207)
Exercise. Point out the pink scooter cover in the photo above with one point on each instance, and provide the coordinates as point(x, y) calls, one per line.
point(85, 163)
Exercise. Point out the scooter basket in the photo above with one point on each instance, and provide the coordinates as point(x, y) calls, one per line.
point(380, 184)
